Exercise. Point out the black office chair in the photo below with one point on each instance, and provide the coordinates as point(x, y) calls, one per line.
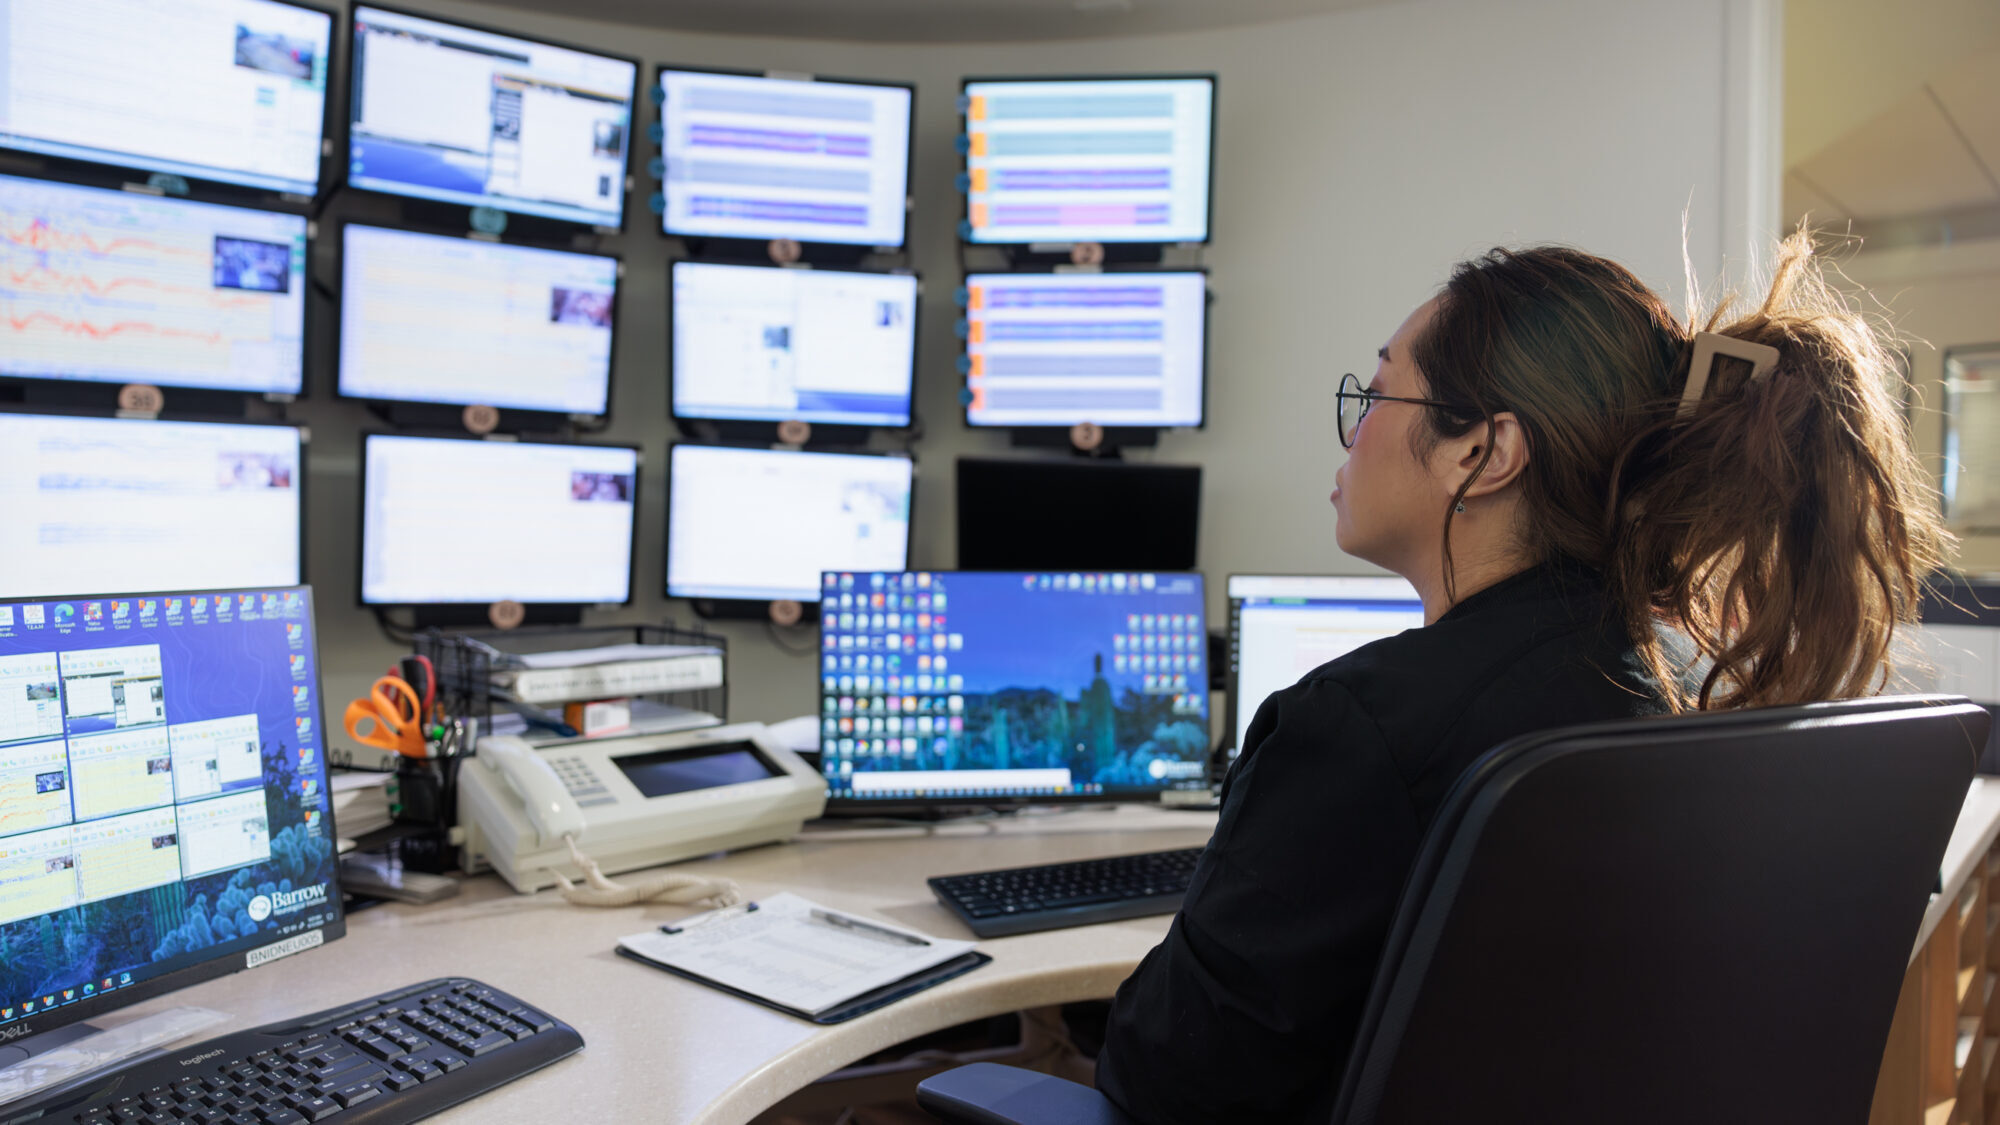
point(1698, 918)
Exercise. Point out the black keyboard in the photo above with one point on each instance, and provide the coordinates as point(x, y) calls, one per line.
point(1018, 900)
point(397, 1057)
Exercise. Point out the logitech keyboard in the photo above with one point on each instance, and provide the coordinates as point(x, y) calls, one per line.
point(1017, 900)
point(400, 1056)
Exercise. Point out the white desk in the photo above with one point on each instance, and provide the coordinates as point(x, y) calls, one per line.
point(659, 1048)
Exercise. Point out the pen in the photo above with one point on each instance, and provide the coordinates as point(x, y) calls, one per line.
point(703, 920)
point(856, 924)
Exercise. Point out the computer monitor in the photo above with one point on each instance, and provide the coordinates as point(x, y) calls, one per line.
point(1116, 349)
point(226, 90)
point(763, 343)
point(117, 287)
point(458, 114)
point(961, 687)
point(100, 505)
point(164, 811)
point(756, 157)
point(1016, 514)
point(1068, 160)
point(759, 525)
point(1282, 626)
point(440, 319)
point(458, 521)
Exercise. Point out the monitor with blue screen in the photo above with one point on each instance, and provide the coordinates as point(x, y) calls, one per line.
point(164, 812)
point(983, 687)
point(1282, 626)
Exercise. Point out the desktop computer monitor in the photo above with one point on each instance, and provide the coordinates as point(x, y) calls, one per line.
point(99, 505)
point(227, 90)
point(1116, 349)
point(767, 344)
point(440, 319)
point(449, 112)
point(459, 521)
point(962, 687)
point(117, 287)
point(759, 525)
point(164, 813)
point(755, 157)
point(1065, 160)
point(1016, 514)
point(1282, 626)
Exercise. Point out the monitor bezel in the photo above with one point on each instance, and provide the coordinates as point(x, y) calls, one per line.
point(949, 806)
point(344, 166)
point(210, 183)
point(1058, 433)
point(965, 158)
point(513, 418)
point(963, 514)
point(308, 337)
point(361, 521)
point(726, 245)
point(232, 962)
point(768, 426)
point(713, 607)
point(303, 432)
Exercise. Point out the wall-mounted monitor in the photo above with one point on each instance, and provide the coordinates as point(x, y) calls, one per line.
point(1076, 514)
point(226, 90)
point(120, 287)
point(757, 157)
point(458, 114)
point(100, 505)
point(458, 521)
point(760, 525)
point(765, 343)
point(1051, 160)
point(441, 319)
point(1116, 349)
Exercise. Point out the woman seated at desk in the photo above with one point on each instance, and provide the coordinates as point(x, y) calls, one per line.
point(1600, 528)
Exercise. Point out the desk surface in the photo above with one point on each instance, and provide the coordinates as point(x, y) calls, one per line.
point(658, 1048)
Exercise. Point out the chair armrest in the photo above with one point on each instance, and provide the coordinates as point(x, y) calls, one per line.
point(991, 1094)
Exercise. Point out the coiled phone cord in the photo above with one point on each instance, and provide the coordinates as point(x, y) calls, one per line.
point(671, 887)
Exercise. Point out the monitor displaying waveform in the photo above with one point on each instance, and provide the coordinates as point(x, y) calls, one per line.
point(1088, 160)
point(1116, 349)
point(117, 287)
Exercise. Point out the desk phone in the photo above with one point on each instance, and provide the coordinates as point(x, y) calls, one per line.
point(631, 802)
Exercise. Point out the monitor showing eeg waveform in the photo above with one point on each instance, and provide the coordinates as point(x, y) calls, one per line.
point(1088, 160)
point(1115, 349)
point(436, 318)
point(117, 287)
point(225, 90)
point(750, 156)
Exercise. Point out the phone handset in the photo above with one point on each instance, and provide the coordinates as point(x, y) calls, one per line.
point(550, 808)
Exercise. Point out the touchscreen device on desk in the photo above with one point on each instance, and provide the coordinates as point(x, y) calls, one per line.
point(1055, 160)
point(763, 343)
point(457, 114)
point(748, 526)
point(112, 504)
point(176, 88)
point(1018, 514)
point(942, 688)
point(1115, 349)
point(754, 157)
point(1282, 626)
point(117, 287)
point(458, 521)
point(439, 319)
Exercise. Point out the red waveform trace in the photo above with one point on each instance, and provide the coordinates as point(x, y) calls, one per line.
point(57, 282)
point(96, 332)
point(38, 235)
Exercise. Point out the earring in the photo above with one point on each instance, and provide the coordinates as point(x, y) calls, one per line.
point(1459, 507)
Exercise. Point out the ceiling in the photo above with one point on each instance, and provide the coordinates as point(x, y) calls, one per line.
point(935, 21)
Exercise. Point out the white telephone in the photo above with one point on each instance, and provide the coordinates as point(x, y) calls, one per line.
point(546, 801)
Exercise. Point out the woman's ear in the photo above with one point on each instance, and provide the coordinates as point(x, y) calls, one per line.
point(1509, 443)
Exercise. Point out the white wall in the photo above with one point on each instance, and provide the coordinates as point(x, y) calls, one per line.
point(1360, 154)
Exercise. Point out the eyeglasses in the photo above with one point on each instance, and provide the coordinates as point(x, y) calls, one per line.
point(1356, 402)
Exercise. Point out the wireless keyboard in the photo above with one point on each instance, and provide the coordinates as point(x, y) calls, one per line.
point(397, 1057)
point(1017, 900)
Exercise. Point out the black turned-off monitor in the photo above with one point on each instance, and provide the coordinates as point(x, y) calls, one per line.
point(1018, 514)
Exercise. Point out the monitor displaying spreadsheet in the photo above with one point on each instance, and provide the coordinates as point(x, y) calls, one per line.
point(1284, 626)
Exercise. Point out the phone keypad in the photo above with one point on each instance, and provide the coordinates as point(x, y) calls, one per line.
point(582, 782)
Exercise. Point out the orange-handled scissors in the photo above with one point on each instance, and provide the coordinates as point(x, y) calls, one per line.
point(391, 718)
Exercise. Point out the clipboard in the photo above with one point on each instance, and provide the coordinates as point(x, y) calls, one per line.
point(859, 1006)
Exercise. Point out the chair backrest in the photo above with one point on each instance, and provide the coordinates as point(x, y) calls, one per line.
point(1696, 918)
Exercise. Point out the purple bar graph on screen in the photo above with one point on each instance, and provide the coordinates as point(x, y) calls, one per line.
point(1012, 331)
point(722, 207)
point(1149, 297)
point(1080, 214)
point(1082, 179)
point(777, 140)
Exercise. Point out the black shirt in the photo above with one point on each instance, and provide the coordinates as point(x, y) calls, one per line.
point(1247, 1010)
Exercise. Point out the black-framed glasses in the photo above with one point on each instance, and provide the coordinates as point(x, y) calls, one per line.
point(1356, 401)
